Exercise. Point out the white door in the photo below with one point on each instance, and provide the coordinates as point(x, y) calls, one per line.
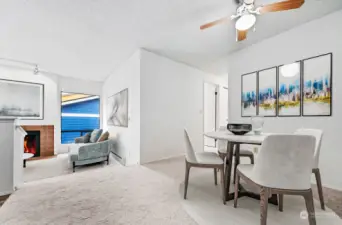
point(223, 106)
point(210, 106)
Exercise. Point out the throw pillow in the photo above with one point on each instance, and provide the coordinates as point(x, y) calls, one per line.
point(95, 135)
point(86, 137)
point(104, 137)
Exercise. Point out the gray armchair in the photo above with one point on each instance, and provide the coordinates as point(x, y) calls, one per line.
point(82, 153)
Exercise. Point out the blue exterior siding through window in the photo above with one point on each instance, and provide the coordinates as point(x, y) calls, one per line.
point(86, 118)
point(86, 107)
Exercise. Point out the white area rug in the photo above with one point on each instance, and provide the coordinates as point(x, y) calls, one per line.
point(111, 195)
point(205, 206)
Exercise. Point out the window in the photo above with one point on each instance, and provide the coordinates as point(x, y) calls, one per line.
point(80, 113)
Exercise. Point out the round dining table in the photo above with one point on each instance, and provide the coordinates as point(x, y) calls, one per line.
point(234, 141)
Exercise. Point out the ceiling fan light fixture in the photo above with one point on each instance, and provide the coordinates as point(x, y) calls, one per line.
point(245, 22)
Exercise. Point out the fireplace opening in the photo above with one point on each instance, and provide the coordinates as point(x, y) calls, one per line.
point(32, 143)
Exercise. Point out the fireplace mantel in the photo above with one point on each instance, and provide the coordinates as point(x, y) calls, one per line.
point(47, 142)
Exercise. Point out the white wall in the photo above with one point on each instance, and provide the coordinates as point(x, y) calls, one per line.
point(127, 138)
point(311, 39)
point(53, 85)
point(171, 99)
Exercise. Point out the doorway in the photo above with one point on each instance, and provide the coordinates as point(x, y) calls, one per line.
point(210, 112)
point(223, 106)
point(215, 111)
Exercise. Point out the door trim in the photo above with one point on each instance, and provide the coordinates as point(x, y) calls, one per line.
point(216, 110)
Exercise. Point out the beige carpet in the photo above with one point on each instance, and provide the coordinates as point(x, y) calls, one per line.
point(112, 195)
point(150, 194)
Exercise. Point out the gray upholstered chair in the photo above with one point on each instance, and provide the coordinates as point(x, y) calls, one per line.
point(283, 167)
point(318, 134)
point(202, 160)
point(95, 151)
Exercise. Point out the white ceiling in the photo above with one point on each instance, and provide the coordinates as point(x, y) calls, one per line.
point(90, 38)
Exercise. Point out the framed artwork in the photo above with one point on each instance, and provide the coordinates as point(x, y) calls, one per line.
point(317, 86)
point(21, 100)
point(289, 90)
point(249, 95)
point(267, 92)
point(117, 109)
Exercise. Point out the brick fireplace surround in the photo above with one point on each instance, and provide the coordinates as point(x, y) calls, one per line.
point(47, 142)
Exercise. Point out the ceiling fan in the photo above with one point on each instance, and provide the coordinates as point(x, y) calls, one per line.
point(246, 15)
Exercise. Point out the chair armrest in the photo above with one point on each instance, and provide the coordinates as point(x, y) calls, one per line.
point(94, 150)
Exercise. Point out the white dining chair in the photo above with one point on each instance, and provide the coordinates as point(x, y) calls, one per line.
point(222, 148)
point(202, 160)
point(283, 167)
point(318, 134)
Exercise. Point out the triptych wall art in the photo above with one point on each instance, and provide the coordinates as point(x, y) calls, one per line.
point(249, 94)
point(267, 92)
point(303, 88)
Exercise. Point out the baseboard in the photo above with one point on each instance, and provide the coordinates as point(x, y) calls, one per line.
point(4, 193)
point(121, 160)
point(162, 159)
point(332, 187)
point(313, 181)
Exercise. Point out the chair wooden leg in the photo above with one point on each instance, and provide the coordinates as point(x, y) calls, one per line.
point(309, 202)
point(264, 194)
point(228, 167)
point(237, 160)
point(186, 181)
point(236, 191)
point(215, 176)
point(280, 202)
point(223, 186)
point(319, 186)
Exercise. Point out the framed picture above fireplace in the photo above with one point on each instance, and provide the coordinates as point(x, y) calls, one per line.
point(21, 100)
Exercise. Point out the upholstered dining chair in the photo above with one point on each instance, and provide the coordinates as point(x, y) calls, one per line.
point(222, 148)
point(283, 167)
point(318, 134)
point(202, 160)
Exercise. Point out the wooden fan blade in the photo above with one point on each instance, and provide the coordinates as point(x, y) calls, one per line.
point(241, 35)
point(214, 23)
point(282, 6)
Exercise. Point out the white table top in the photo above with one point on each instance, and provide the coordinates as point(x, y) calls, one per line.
point(27, 155)
point(249, 138)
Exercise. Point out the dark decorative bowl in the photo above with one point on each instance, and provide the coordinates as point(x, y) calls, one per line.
point(239, 129)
